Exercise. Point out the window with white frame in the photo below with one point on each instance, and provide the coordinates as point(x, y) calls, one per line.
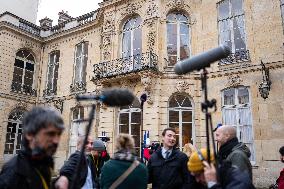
point(231, 23)
point(78, 127)
point(13, 134)
point(132, 37)
point(52, 73)
point(236, 111)
point(23, 76)
point(81, 57)
point(177, 38)
point(130, 122)
point(181, 118)
point(282, 11)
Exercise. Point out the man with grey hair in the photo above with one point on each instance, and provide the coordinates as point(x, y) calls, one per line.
point(31, 168)
point(231, 150)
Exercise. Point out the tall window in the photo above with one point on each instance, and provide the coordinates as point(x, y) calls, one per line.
point(130, 122)
point(231, 23)
point(180, 118)
point(177, 38)
point(132, 37)
point(78, 127)
point(81, 57)
point(282, 10)
point(236, 111)
point(23, 76)
point(13, 134)
point(52, 73)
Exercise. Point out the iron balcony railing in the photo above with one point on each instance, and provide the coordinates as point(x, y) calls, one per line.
point(131, 64)
point(23, 89)
point(237, 57)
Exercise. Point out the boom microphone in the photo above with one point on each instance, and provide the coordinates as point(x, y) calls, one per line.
point(202, 60)
point(111, 97)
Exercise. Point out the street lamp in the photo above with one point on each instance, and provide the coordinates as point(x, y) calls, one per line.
point(264, 86)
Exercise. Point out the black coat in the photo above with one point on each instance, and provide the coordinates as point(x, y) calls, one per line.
point(20, 172)
point(171, 173)
point(69, 167)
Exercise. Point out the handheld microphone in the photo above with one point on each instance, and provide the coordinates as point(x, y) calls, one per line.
point(202, 60)
point(111, 97)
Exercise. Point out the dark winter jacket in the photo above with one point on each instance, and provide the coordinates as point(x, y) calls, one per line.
point(24, 172)
point(237, 153)
point(69, 168)
point(169, 173)
point(230, 177)
point(116, 166)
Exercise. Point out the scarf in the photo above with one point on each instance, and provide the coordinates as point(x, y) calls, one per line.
point(124, 155)
point(226, 149)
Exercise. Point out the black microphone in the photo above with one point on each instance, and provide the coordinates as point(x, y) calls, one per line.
point(111, 97)
point(202, 60)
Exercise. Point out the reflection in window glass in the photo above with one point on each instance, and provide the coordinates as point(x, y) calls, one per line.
point(231, 25)
point(177, 38)
point(180, 118)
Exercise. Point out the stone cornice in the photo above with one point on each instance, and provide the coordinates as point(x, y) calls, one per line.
point(13, 28)
point(19, 97)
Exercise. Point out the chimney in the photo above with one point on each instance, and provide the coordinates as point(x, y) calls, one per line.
point(45, 23)
point(63, 16)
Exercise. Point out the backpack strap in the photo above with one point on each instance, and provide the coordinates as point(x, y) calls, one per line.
point(124, 175)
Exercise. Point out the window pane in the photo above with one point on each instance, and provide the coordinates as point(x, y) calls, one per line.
point(79, 50)
point(173, 116)
point(29, 66)
point(124, 123)
point(229, 116)
point(184, 47)
point(223, 10)
point(243, 96)
point(237, 8)
point(136, 118)
point(137, 41)
point(239, 34)
point(126, 44)
point(186, 133)
point(19, 63)
point(176, 127)
point(186, 116)
point(229, 97)
point(245, 116)
point(173, 102)
point(135, 132)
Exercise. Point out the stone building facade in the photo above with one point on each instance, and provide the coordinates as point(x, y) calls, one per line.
point(135, 44)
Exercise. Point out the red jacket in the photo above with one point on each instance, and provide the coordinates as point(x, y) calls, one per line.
point(280, 180)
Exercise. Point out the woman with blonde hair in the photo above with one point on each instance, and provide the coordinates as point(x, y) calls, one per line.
point(124, 170)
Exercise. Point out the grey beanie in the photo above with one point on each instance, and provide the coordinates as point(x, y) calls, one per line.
point(98, 145)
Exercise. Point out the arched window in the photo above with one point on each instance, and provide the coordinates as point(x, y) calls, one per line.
point(130, 122)
point(23, 76)
point(181, 118)
point(13, 134)
point(77, 127)
point(52, 73)
point(132, 37)
point(177, 38)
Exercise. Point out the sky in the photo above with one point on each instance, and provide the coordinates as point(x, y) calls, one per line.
point(50, 8)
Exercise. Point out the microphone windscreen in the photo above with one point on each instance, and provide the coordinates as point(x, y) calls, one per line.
point(117, 97)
